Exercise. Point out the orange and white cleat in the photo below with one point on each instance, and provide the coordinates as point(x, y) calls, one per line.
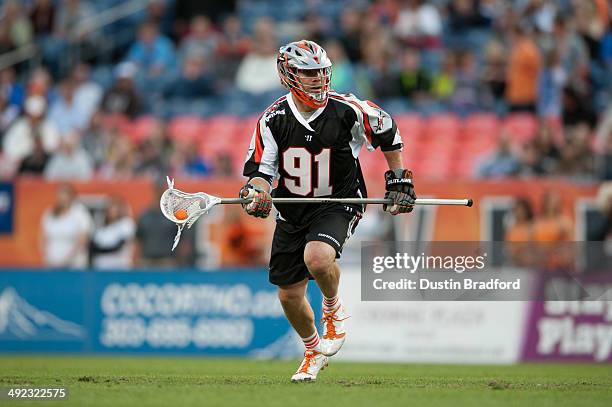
point(310, 367)
point(334, 333)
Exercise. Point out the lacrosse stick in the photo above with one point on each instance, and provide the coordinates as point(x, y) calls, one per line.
point(194, 205)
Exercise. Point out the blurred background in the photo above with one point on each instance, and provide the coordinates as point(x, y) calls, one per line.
point(506, 102)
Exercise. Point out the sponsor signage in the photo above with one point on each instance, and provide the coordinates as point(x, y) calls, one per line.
point(578, 330)
point(221, 313)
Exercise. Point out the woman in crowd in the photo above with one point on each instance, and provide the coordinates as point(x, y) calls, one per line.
point(111, 245)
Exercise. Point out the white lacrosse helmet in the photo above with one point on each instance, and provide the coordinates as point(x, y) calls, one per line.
point(296, 57)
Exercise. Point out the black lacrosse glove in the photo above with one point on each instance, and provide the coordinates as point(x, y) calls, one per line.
point(261, 205)
point(400, 188)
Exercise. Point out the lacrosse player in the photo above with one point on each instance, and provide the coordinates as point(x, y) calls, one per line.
point(310, 141)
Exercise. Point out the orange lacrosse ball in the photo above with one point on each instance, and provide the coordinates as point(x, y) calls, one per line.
point(180, 214)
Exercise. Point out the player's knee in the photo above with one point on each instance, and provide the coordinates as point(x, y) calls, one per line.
point(319, 258)
point(292, 295)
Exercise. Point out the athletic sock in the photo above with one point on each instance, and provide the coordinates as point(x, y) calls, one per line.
point(331, 304)
point(312, 342)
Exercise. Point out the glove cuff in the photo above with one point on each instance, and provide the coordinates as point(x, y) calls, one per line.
point(398, 176)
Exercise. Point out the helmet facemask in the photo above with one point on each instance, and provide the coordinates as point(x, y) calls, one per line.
point(307, 76)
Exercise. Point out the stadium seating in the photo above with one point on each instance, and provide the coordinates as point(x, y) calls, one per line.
point(521, 127)
point(186, 129)
point(142, 128)
point(437, 146)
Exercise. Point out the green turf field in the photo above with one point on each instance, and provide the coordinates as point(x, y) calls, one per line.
point(104, 381)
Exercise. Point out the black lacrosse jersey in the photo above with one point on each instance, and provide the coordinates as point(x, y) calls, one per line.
point(317, 156)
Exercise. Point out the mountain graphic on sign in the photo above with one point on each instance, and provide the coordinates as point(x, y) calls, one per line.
point(287, 346)
point(22, 320)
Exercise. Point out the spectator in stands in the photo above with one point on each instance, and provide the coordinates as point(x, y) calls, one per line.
point(121, 157)
point(419, 24)
point(590, 28)
point(66, 228)
point(350, 33)
point(69, 17)
point(202, 40)
point(10, 89)
point(8, 114)
point(87, 93)
point(42, 17)
point(464, 16)
point(415, 82)
point(234, 44)
point(111, 246)
point(540, 14)
point(381, 76)
point(15, 27)
point(215, 10)
point(194, 81)
point(39, 83)
point(443, 82)
point(578, 107)
point(154, 153)
point(122, 97)
point(467, 86)
point(152, 53)
point(577, 159)
point(70, 162)
point(494, 75)
point(316, 28)
point(523, 68)
point(531, 161)
point(501, 163)
point(96, 141)
point(65, 112)
point(19, 139)
point(521, 229)
point(343, 77)
point(155, 236)
point(551, 81)
point(257, 71)
point(36, 162)
point(546, 146)
point(606, 50)
point(12, 95)
point(162, 15)
point(189, 161)
point(519, 233)
point(572, 51)
point(551, 225)
point(67, 37)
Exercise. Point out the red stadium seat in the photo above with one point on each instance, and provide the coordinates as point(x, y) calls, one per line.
point(521, 127)
point(434, 167)
point(481, 126)
point(220, 127)
point(245, 127)
point(142, 128)
point(186, 128)
point(443, 127)
point(409, 125)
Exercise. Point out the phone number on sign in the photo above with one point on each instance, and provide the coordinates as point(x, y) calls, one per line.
point(33, 393)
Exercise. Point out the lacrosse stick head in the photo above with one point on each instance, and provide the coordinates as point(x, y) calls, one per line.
point(191, 206)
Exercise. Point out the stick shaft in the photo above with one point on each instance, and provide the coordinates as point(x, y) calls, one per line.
point(359, 201)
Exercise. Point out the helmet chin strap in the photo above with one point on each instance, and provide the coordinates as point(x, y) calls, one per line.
point(309, 101)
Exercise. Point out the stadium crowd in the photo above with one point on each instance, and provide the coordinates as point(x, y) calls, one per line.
point(75, 111)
